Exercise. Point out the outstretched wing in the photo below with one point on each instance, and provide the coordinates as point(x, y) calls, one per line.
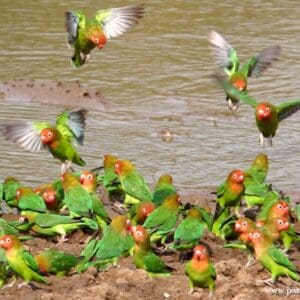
point(233, 93)
point(74, 21)
point(71, 124)
point(256, 65)
point(286, 109)
point(116, 21)
point(25, 134)
point(224, 53)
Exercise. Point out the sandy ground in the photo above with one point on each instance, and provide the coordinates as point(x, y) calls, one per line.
point(234, 281)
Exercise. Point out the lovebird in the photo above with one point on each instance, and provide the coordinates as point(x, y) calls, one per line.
point(200, 270)
point(226, 57)
point(59, 140)
point(144, 257)
point(21, 261)
point(189, 231)
point(85, 34)
point(274, 209)
point(231, 191)
point(267, 115)
point(26, 198)
point(163, 219)
point(132, 182)
point(10, 187)
point(140, 212)
point(55, 262)
point(272, 258)
point(164, 187)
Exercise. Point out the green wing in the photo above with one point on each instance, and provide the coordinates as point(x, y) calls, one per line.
point(270, 199)
point(162, 193)
point(232, 92)
point(74, 21)
point(257, 64)
point(26, 134)
point(221, 189)
point(98, 207)
point(116, 21)
point(49, 220)
point(71, 124)
point(78, 201)
point(10, 187)
point(6, 228)
point(286, 109)
point(154, 264)
point(30, 261)
point(212, 271)
point(281, 259)
point(32, 201)
point(224, 54)
point(189, 230)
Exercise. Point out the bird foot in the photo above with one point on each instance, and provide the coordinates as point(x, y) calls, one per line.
point(61, 240)
point(9, 285)
point(269, 281)
point(284, 251)
point(251, 261)
point(232, 106)
point(191, 291)
point(27, 284)
point(261, 139)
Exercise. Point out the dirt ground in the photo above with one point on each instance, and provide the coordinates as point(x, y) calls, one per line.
point(234, 281)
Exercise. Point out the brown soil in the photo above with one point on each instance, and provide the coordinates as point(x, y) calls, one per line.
point(234, 281)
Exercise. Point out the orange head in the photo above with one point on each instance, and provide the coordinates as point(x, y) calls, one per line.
point(240, 84)
point(279, 209)
point(281, 224)
point(109, 161)
point(123, 167)
point(243, 225)
point(23, 191)
point(263, 111)
point(49, 196)
point(144, 210)
point(260, 223)
point(255, 237)
point(139, 234)
point(236, 176)
point(88, 180)
point(48, 136)
point(8, 242)
point(200, 253)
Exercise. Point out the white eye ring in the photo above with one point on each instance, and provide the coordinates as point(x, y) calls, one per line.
point(90, 176)
point(256, 235)
point(49, 134)
point(234, 176)
point(280, 222)
point(8, 240)
point(279, 206)
point(128, 222)
point(139, 233)
point(244, 223)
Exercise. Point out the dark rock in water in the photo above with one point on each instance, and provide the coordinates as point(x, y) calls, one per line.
point(67, 94)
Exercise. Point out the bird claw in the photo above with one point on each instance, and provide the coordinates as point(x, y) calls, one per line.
point(27, 284)
point(232, 106)
point(62, 239)
point(251, 261)
point(269, 281)
point(9, 285)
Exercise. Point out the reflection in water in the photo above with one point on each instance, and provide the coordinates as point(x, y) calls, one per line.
point(158, 76)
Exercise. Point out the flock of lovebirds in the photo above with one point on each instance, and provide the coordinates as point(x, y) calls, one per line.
point(152, 222)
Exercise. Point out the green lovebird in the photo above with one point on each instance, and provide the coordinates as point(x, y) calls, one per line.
point(78, 201)
point(132, 182)
point(86, 34)
point(226, 57)
point(272, 258)
point(189, 231)
point(144, 257)
point(200, 270)
point(59, 140)
point(10, 187)
point(163, 189)
point(55, 262)
point(26, 198)
point(88, 181)
point(231, 191)
point(255, 188)
point(163, 219)
point(20, 261)
point(267, 115)
point(274, 208)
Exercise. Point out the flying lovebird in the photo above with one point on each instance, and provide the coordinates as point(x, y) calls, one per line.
point(226, 57)
point(267, 115)
point(59, 140)
point(200, 270)
point(144, 257)
point(21, 261)
point(85, 34)
point(271, 257)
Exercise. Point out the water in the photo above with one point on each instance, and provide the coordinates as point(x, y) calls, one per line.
point(157, 76)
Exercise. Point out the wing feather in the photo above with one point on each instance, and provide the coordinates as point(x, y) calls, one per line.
point(286, 109)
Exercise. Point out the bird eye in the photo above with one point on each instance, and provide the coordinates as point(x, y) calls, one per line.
point(280, 222)
point(138, 233)
point(144, 210)
point(8, 240)
point(267, 109)
point(90, 177)
point(279, 206)
point(244, 223)
point(128, 222)
point(256, 235)
point(45, 195)
point(234, 176)
point(49, 133)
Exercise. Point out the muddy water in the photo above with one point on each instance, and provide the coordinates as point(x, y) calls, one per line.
point(158, 76)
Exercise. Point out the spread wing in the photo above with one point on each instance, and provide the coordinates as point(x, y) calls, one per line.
point(223, 52)
point(74, 21)
point(116, 21)
point(286, 109)
point(233, 93)
point(25, 134)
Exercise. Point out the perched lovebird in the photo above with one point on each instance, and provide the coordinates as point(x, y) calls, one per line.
point(189, 231)
point(226, 57)
point(144, 257)
point(115, 242)
point(231, 191)
point(77, 199)
point(243, 226)
point(164, 187)
point(20, 261)
point(163, 219)
point(139, 212)
point(86, 34)
point(132, 182)
point(274, 209)
point(55, 262)
point(200, 270)
point(267, 115)
point(88, 181)
point(59, 140)
point(255, 188)
point(271, 257)
point(26, 198)
point(10, 187)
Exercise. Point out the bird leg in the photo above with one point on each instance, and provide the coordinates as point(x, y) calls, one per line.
point(62, 239)
point(261, 139)
point(269, 281)
point(27, 284)
point(269, 141)
point(232, 106)
point(65, 167)
point(250, 262)
point(9, 285)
